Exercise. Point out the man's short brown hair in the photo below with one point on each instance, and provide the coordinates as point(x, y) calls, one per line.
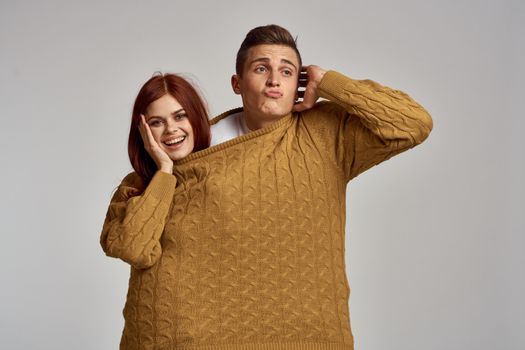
point(271, 34)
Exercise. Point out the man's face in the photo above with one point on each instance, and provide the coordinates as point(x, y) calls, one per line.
point(268, 85)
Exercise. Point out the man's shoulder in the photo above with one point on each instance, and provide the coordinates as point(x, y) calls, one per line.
point(225, 116)
point(225, 126)
point(323, 112)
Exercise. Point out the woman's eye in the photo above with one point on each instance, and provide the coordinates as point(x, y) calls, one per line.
point(155, 123)
point(180, 116)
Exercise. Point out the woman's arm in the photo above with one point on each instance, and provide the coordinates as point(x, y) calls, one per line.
point(135, 219)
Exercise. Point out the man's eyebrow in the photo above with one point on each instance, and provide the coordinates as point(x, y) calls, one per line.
point(289, 62)
point(266, 60)
point(260, 59)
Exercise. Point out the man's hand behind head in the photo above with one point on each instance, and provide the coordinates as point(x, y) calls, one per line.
point(309, 81)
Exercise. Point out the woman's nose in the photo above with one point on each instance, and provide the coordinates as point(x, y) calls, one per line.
point(171, 127)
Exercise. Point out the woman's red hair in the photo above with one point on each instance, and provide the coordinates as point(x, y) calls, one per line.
point(180, 89)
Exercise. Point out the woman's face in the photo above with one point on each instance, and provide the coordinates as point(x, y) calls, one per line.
point(170, 127)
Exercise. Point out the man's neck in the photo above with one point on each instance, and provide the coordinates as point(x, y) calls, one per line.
point(254, 123)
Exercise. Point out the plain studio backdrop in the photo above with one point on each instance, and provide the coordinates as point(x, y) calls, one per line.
point(435, 236)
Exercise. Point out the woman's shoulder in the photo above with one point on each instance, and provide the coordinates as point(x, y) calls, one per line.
point(132, 178)
point(132, 181)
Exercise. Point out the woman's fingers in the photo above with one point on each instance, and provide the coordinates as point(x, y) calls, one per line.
point(145, 132)
point(160, 157)
point(147, 135)
point(142, 130)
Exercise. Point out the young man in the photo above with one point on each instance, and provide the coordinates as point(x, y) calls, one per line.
point(314, 150)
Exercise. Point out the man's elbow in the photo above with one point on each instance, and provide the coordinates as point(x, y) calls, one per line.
point(424, 127)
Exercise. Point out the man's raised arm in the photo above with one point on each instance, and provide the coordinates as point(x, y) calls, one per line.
point(366, 121)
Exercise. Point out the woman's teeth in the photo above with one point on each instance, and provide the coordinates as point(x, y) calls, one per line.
point(174, 141)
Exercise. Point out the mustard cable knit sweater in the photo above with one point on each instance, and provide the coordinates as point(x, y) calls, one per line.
point(243, 246)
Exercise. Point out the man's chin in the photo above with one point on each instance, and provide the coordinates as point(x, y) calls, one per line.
point(272, 114)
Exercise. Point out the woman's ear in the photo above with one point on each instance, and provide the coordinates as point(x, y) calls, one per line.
point(236, 85)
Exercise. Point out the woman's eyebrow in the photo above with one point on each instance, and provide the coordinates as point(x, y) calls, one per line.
point(179, 111)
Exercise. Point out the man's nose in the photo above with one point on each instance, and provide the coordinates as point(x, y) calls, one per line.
point(273, 79)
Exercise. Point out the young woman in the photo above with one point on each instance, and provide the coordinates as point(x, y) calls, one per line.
point(169, 121)
point(167, 107)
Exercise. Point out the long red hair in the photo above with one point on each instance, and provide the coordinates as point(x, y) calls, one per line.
point(180, 89)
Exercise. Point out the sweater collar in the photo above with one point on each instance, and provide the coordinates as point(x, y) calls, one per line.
point(221, 146)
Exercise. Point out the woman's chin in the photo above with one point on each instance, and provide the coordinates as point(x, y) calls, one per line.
point(180, 153)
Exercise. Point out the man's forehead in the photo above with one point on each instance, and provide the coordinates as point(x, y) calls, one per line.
point(273, 51)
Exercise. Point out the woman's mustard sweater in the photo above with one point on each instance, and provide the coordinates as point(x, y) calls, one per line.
point(243, 247)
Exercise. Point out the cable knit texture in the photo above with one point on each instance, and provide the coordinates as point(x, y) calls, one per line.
point(243, 246)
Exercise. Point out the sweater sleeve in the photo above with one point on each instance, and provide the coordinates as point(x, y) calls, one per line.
point(136, 218)
point(370, 122)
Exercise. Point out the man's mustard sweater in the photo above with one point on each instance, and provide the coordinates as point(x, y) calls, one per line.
point(243, 246)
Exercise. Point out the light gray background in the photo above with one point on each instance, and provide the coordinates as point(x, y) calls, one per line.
point(435, 236)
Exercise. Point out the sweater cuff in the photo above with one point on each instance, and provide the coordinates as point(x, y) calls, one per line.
point(162, 185)
point(332, 84)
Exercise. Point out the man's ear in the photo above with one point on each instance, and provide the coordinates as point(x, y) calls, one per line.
point(236, 86)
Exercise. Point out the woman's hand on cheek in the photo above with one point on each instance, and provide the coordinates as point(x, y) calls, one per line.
point(161, 158)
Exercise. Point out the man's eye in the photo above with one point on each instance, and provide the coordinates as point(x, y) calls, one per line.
point(287, 72)
point(260, 69)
